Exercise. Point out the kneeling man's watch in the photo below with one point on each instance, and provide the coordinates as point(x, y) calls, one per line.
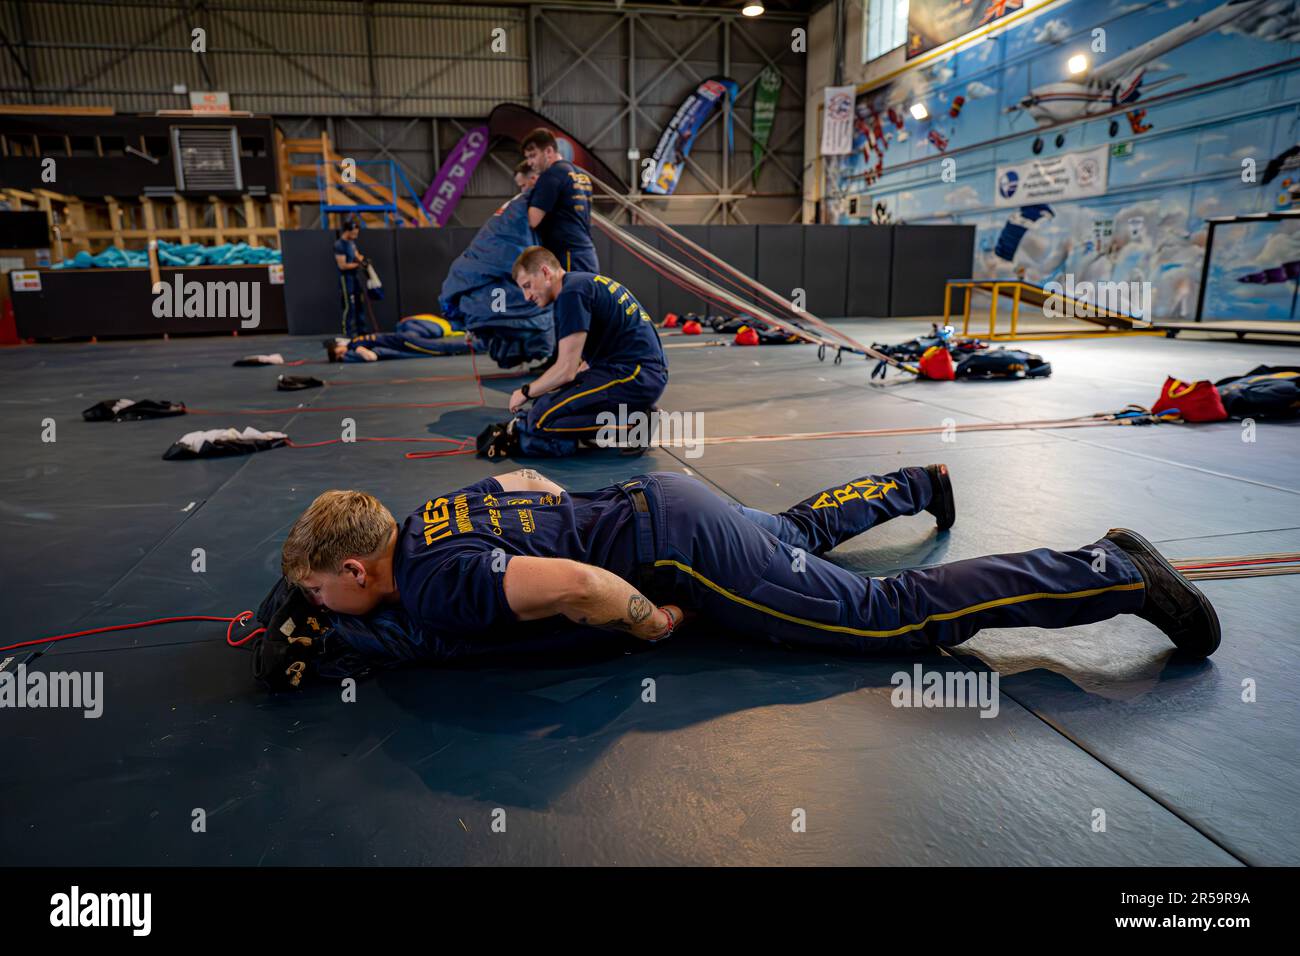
point(524, 389)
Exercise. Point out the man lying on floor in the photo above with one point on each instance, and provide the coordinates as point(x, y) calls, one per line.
point(417, 336)
point(517, 560)
point(608, 355)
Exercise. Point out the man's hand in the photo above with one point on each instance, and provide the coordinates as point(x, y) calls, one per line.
point(367, 354)
point(517, 400)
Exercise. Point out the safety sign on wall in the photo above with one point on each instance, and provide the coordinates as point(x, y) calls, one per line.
point(26, 281)
point(1046, 179)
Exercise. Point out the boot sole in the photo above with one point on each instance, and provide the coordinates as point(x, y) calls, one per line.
point(1211, 615)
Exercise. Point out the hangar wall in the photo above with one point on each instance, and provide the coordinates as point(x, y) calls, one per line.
point(405, 80)
point(1200, 119)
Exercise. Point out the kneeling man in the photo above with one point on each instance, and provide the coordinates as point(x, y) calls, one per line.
point(608, 354)
point(482, 565)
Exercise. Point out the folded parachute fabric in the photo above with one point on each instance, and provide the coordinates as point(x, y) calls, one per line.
point(1003, 363)
point(174, 254)
point(223, 442)
point(1266, 391)
point(479, 293)
point(275, 358)
point(131, 410)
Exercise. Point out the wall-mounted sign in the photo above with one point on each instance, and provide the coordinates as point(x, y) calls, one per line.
point(209, 101)
point(26, 281)
point(1047, 179)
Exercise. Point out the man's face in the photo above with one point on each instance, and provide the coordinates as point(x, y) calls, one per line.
point(351, 590)
point(525, 180)
point(540, 159)
point(538, 287)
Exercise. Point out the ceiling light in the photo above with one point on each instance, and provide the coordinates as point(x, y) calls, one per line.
point(919, 111)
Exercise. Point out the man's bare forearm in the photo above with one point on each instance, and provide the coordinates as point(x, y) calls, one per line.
point(609, 602)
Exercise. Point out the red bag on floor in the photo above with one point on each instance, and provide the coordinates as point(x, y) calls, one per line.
point(1195, 401)
point(746, 336)
point(936, 364)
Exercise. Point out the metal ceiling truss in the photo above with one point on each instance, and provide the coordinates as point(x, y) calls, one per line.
point(628, 110)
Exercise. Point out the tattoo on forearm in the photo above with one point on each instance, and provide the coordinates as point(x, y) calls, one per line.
point(638, 609)
point(529, 473)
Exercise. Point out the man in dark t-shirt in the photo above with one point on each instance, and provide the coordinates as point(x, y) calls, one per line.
point(352, 287)
point(609, 360)
point(559, 208)
point(517, 556)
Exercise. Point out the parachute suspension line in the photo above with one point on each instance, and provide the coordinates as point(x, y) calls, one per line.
point(687, 279)
point(680, 240)
point(701, 291)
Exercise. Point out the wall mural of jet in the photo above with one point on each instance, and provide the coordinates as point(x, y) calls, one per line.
point(1121, 81)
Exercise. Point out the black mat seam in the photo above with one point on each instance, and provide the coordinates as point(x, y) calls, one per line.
point(1179, 464)
point(974, 663)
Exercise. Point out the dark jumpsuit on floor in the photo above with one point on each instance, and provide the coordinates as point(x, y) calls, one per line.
point(755, 573)
point(625, 359)
point(413, 338)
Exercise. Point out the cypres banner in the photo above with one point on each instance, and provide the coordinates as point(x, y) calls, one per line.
point(837, 121)
point(766, 93)
point(453, 176)
point(675, 144)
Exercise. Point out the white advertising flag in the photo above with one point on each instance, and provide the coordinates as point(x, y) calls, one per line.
point(837, 121)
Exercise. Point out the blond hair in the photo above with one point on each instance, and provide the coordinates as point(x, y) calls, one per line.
point(532, 259)
point(336, 526)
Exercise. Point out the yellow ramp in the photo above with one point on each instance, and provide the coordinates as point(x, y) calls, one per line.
point(1024, 294)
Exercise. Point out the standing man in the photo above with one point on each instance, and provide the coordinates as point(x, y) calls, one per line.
point(608, 355)
point(560, 206)
point(351, 278)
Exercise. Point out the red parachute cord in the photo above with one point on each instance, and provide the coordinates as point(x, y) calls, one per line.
point(460, 446)
point(231, 621)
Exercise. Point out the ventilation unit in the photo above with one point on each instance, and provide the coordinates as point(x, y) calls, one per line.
point(207, 159)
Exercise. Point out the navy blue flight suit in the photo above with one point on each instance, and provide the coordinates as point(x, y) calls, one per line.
point(625, 359)
point(413, 338)
point(352, 286)
point(563, 192)
point(753, 572)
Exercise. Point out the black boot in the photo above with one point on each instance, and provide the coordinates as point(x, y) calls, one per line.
point(942, 505)
point(1173, 603)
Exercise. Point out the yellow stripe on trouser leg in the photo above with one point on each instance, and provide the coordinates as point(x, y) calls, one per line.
point(590, 391)
point(906, 628)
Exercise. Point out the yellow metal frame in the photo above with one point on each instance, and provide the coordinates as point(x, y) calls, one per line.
point(1013, 288)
